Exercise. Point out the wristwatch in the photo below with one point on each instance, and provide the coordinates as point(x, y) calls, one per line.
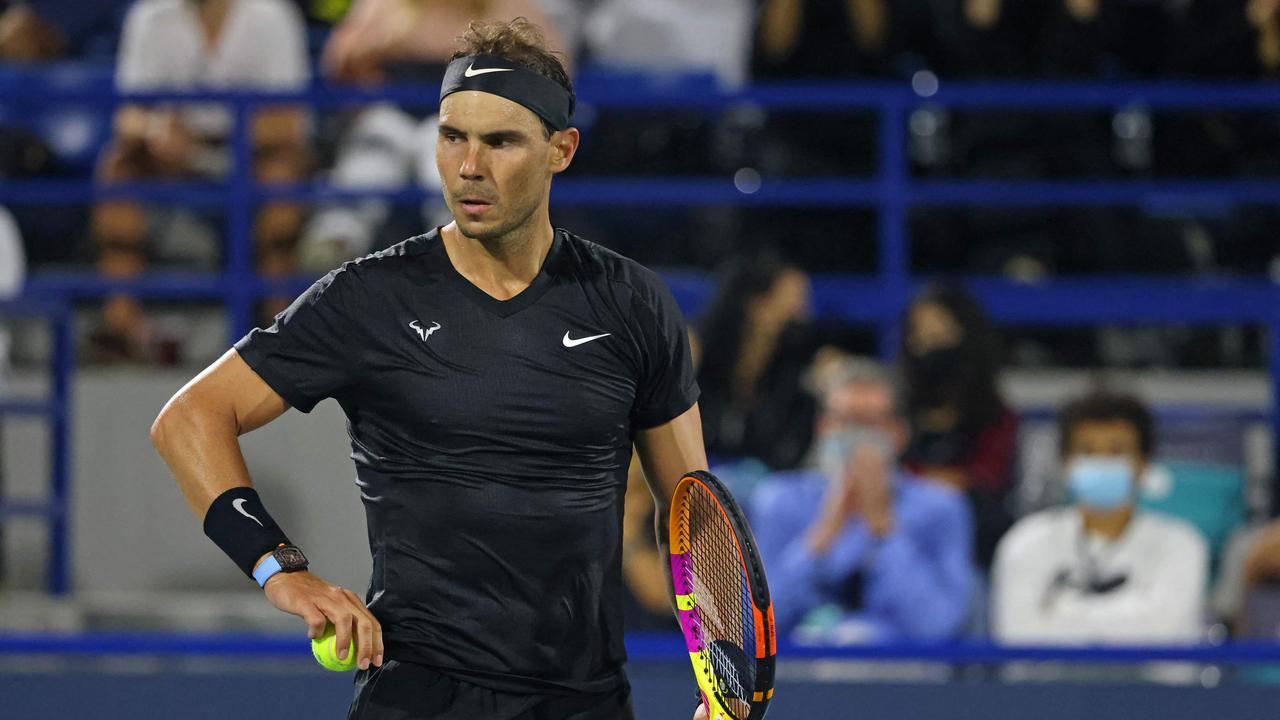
point(286, 558)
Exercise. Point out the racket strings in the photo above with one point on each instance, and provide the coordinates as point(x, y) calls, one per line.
point(723, 597)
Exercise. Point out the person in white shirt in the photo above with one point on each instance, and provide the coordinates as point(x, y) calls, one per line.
point(1101, 571)
point(198, 45)
point(13, 269)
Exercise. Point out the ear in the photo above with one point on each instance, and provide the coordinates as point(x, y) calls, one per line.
point(564, 145)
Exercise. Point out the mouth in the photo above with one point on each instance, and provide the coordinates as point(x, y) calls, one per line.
point(474, 206)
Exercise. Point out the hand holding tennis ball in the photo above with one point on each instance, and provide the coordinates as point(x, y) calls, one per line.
point(325, 651)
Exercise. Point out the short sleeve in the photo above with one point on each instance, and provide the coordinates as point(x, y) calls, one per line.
point(667, 386)
point(284, 32)
point(306, 355)
point(136, 65)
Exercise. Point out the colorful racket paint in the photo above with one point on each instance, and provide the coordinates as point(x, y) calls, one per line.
point(722, 599)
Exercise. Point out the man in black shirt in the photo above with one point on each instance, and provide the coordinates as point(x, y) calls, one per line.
point(495, 373)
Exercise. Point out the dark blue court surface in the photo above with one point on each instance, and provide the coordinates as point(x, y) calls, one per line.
point(663, 691)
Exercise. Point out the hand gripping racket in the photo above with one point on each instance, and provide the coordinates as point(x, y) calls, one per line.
point(722, 600)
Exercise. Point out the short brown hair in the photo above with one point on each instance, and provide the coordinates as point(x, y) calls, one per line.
point(1102, 406)
point(518, 41)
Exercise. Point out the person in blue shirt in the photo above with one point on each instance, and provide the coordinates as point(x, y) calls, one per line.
point(857, 548)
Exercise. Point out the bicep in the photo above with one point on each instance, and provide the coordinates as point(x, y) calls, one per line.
point(231, 389)
point(669, 451)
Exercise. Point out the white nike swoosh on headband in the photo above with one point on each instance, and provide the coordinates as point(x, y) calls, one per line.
point(472, 71)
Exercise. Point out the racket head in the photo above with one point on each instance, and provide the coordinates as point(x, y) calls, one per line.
point(722, 599)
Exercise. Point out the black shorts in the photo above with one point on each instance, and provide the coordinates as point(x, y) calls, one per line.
point(407, 691)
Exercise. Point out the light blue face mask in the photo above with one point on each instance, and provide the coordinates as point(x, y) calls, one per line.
point(1100, 481)
point(837, 448)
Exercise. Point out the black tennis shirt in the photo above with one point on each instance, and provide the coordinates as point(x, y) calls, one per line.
point(491, 441)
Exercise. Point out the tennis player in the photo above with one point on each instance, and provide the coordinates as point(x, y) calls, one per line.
point(495, 373)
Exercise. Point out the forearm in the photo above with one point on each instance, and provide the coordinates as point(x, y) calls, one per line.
point(278, 129)
point(202, 449)
point(780, 27)
point(662, 529)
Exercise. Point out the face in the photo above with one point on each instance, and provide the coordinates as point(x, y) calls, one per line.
point(496, 162)
point(1107, 438)
point(862, 406)
point(786, 301)
point(931, 326)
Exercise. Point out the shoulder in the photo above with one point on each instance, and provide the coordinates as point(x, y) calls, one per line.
point(1176, 536)
point(372, 272)
point(146, 12)
point(275, 11)
point(796, 491)
point(1034, 532)
point(624, 275)
point(930, 498)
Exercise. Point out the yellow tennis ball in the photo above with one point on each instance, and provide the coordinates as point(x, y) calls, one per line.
point(325, 651)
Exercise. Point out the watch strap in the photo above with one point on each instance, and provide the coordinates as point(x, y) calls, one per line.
point(266, 569)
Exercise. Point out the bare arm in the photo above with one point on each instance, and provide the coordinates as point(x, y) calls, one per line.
point(197, 433)
point(780, 27)
point(870, 19)
point(667, 452)
point(279, 127)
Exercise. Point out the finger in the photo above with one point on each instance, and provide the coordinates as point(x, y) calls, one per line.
point(363, 623)
point(701, 712)
point(340, 614)
point(374, 632)
point(315, 620)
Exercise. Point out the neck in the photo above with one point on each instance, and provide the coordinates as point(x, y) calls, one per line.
point(213, 14)
point(1108, 524)
point(504, 266)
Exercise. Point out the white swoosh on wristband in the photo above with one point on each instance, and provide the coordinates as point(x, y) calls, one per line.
point(238, 504)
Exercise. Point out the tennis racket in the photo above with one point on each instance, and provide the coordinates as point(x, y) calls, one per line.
point(722, 600)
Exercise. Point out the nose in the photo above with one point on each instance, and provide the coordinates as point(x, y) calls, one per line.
point(471, 168)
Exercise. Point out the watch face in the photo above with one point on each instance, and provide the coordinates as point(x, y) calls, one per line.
point(290, 559)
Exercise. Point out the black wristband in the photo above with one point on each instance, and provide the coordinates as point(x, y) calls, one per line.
point(239, 524)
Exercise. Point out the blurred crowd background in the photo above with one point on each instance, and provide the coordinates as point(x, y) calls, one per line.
point(889, 497)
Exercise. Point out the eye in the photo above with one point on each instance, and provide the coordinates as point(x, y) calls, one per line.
point(451, 137)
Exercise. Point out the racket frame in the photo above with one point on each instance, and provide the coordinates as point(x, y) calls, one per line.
point(688, 612)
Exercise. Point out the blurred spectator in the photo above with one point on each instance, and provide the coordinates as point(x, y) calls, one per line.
point(659, 36)
point(820, 40)
point(1247, 593)
point(381, 40)
point(859, 549)
point(13, 268)
point(962, 433)
point(756, 343)
point(1102, 570)
point(811, 39)
point(41, 30)
point(386, 146)
point(197, 45)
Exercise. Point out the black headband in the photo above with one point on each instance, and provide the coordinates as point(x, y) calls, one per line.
point(501, 77)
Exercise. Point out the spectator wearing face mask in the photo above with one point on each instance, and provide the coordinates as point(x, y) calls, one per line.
point(1101, 570)
point(858, 548)
point(962, 433)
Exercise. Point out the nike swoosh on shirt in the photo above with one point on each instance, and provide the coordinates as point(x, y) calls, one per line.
point(472, 71)
point(238, 504)
point(570, 342)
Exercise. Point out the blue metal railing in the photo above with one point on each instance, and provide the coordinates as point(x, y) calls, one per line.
point(876, 299)
point(55, 408)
